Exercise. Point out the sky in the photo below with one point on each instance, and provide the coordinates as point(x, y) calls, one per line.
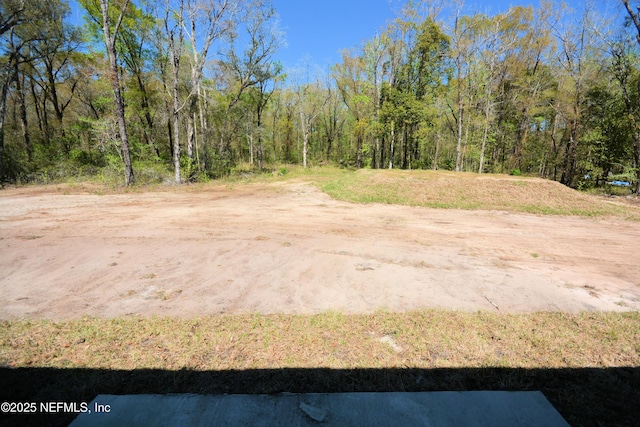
point(322, 28)
point(318, 30)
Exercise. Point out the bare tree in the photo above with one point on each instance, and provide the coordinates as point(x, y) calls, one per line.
point(208, 21)
point(114, 78)
point(174, 28)
point(202, 23)
point(255, 66)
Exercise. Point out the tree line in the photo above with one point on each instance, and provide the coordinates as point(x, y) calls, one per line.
point(193, 86)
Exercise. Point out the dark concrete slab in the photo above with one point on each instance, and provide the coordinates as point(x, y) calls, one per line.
point(469, 408)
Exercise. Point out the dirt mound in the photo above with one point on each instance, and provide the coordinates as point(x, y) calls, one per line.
point(445, 189)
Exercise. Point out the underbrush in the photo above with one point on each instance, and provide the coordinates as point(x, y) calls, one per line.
point(111, 175)
point(611, 190)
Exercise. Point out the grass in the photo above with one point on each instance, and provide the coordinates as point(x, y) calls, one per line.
point(449, 190)
point(429, 339)
point(587, 364)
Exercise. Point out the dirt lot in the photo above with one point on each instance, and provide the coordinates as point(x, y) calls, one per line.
point(289, 248)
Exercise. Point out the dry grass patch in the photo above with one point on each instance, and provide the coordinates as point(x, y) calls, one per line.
point(428, 339)
point(471, 191)
point(587, 364)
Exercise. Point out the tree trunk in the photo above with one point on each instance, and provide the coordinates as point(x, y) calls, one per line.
point(460, 115)
point(568, 168)
point(435, 156)
point(554, 141)
point(638, 146)
point(148, 120)
point(176, 125)
point(487, 112)
point(3, 109)
point(382, 148)
point(191, 136)
point(405, 144)
point(259, 123)
point(115, 84)
point(305, 138)
point(635, 17)
point(374, 154)
point(53, 92)
point(23, 115)
point(175, 51)
point(638, 163)
point(191, 114)
point(359, 150)
point(393, 141)
point(36, 104)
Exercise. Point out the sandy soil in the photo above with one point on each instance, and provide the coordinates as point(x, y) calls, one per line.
point(289, 248)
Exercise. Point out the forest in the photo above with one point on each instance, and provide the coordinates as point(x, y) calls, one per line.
point(191, 90)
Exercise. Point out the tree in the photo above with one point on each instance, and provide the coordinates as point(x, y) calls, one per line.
point(635, 18)
point(110, 35)
point(255, 67)
point(311, 98)
point(490, 56)
point(57, 71)
point(134, 50)
point(463, 39)
point(576, 68)
point(22, 23)
point(349, 79)
point(333, 121)
point(174, 28)
point(207, 22)
point(12, 15)
point(373, 55)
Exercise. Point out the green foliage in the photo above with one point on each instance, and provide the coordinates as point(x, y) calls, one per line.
point(401, 87)
point(15, 165)
point(152, 172)
point(609, 137)
point(629, 175)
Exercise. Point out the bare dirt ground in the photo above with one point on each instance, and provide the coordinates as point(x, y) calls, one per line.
point(289, 248)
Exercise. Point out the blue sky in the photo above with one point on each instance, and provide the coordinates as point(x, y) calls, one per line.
point(320, 29)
